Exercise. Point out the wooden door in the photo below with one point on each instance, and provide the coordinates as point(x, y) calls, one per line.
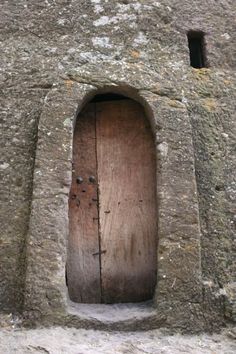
point(117, 255)
point(83, 264)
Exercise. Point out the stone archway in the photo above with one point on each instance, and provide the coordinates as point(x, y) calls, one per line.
point(179, 260)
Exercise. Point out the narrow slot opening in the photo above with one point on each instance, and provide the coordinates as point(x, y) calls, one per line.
point(108, 97)
point(197, 51)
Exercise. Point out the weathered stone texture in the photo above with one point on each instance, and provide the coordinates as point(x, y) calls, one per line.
point(20, 114)
point(48, 45)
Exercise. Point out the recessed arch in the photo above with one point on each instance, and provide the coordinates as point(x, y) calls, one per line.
point(126, 91)
point(179, 263)
point(112, 246)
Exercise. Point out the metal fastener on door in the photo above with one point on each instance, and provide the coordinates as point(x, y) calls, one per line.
point(92, 179)
point(79, 179)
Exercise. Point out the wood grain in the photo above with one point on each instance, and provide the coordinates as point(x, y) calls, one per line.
point(83, 267)
point(128, 210)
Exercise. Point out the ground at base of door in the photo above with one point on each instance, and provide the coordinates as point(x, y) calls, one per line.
point(60, 340)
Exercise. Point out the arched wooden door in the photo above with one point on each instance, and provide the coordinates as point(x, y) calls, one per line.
point(112, 246)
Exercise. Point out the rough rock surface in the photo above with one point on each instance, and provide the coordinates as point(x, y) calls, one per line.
point(143, 42)
point(61, 340)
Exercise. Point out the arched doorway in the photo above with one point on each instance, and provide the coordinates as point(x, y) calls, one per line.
point(112, 245)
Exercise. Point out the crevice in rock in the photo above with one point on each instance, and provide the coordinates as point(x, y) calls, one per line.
point(23, 255)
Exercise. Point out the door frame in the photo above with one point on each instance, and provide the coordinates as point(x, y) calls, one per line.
point(179, 260)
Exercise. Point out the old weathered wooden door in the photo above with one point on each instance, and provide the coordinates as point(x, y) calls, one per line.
point(112, 246)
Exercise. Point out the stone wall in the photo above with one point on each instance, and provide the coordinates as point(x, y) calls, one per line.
point(50, 47)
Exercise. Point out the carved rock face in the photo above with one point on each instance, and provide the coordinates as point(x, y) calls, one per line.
point(54, 57)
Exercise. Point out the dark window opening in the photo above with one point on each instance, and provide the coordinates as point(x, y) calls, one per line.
point(196, 44)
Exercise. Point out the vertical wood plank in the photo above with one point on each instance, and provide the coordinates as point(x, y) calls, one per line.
point(83, 267)
point(128, 210)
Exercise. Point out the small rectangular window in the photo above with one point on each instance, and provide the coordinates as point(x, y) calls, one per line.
point(196, 46)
